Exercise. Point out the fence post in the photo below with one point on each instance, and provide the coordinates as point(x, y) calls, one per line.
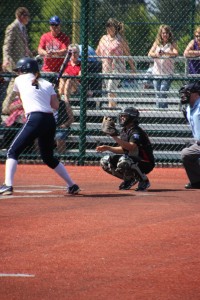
point(193, 10)
point(75, 19)
point(84, 78)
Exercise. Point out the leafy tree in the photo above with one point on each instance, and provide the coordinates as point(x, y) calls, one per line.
point(178, 14)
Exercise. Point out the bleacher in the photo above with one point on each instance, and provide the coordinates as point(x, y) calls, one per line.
point(166, 128)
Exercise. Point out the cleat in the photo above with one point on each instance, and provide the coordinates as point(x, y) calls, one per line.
point(190, 185)
point(74, 189)
point(6, 190)
point(127, 184)
point(143, 185)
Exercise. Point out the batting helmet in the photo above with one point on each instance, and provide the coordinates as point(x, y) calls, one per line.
point(27, 65)
point(186, 90)
point(131, 115)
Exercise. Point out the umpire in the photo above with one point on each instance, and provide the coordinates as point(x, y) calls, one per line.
point(133, 157)
point(190, 96)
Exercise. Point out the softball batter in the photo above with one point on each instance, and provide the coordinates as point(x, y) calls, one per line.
point(39, 99)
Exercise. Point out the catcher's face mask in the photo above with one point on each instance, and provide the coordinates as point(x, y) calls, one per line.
point(184, 95)
point(186, 91)
point(124, 120)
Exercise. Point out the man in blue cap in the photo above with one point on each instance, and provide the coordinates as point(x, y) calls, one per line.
point(52, 45)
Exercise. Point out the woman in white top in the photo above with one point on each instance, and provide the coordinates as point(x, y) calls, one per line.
point(39, 99)
point(114, 44)
point(163, 50)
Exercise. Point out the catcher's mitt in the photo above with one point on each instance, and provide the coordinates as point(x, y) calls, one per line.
point(108, 126)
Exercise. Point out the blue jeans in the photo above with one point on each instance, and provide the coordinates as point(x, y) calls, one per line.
point(62, 133)
point(161, 85)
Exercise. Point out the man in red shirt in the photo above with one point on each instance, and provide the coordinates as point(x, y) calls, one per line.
point(73, 68)
point(52, 45)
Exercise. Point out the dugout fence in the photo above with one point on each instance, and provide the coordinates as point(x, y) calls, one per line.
point(84, 21)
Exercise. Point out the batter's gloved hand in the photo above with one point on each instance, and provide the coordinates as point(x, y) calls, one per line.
point(108, 126)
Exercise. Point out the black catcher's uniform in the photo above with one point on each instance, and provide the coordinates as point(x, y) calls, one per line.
point(145, 157)
point(133, 165)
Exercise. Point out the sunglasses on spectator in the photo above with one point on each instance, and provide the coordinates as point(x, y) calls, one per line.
point(54, 25)
point(197, 36)
point(25, 15)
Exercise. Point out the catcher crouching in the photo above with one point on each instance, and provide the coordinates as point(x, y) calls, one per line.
point(133, 157)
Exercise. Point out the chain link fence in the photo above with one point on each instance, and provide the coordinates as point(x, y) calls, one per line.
point(120, 74)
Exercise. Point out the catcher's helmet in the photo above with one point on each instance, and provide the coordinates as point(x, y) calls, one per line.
point(131, 114)
point(27, 65)
point(186, 90)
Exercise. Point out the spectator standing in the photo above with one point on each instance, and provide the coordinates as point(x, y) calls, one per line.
point(163, 50)
point(39, 99)
point(53, 46)
point(114, 44)
point(193, 50)
point(15, 46)
point(190, 96)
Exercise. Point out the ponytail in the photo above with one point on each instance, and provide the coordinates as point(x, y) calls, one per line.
point(35, 80)
point(119, 26)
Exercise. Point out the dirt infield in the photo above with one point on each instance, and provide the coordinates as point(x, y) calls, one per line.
point(102, 244)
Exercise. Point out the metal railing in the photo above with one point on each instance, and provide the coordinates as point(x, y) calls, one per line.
point(139, 73)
